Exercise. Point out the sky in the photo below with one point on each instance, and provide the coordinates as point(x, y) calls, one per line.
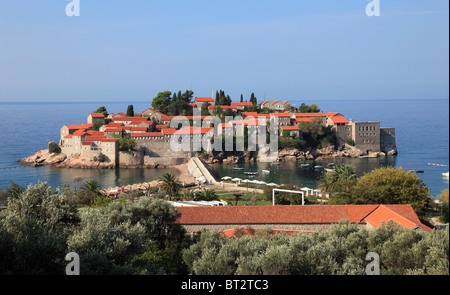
point(285, 50)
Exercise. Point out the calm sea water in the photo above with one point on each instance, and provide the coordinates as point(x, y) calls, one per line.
point(422, 131)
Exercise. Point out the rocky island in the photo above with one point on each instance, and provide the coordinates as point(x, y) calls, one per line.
point(146, 139)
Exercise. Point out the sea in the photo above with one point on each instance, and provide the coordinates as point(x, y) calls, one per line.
point(422, 137)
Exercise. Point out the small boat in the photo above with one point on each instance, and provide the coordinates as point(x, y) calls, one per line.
point(331, 165)
point(275, 164)
point(304, 165)
point(330, 170)
point(265, 171)
point(416, 171)
point(445, 174)
point(236, 168)
point(318, 167)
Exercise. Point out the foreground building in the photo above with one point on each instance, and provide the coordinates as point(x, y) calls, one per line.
point(310, 218)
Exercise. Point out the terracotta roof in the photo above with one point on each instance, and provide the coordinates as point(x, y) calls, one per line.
point(97, 115)
point(310, 214)
point(162, 126)
point(338, 119)
point(94, 138)
point(79, 126)
point(169, 131)
point(95, 133)
point(274, 214)
point(306, 115)
point(68, 136)
point(274, 102)
point(114, 125)
point(109, 140)
point(281, 114)
point(284, 102)
point(204, 99)
point(401, 214)
point(86, 143)
point(79, 132)
point(331, 114)
point(241, 104)
point(290, 128)
point(266, 101)
point(192, 130)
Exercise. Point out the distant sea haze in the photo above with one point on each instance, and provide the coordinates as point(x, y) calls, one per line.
point(422, 137)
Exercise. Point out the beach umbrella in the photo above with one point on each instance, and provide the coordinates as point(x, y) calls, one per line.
point(261, 182)
point(227, 178)
point(272, 184)
point(236, 179)
point(245, 181)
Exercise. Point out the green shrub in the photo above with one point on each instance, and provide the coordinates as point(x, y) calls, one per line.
point(53, 148)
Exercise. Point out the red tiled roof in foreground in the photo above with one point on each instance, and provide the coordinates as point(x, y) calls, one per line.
point(310, 214)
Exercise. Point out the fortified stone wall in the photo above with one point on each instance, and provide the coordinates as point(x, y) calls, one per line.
point(387, 140)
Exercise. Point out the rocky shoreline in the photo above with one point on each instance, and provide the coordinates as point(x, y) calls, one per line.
point(346, 151)
point(44, 158)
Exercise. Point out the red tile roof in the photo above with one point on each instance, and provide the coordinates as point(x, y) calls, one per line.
point(79, 132)
point(274, 102)
point(310, 214)
point(192, 130)
point(281, 114)
point(168, 131)
point(109, 139)
point(274, 214)
point(94, 138)
point(401, 214)
point(339, 119)
point(161, 126)
point(242, 104)
point(79, 126)
point(113, 125)
point(86, 143)
point(204, 99)
point(290, 128)
point(97, 115)
point(266, 101)
point(306, 115)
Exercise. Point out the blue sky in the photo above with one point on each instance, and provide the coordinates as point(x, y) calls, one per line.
point(293, 50)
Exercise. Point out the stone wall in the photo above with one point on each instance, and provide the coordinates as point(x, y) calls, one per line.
point(387, 141)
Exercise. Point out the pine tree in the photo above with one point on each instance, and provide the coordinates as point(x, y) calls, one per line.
point(130, 111)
